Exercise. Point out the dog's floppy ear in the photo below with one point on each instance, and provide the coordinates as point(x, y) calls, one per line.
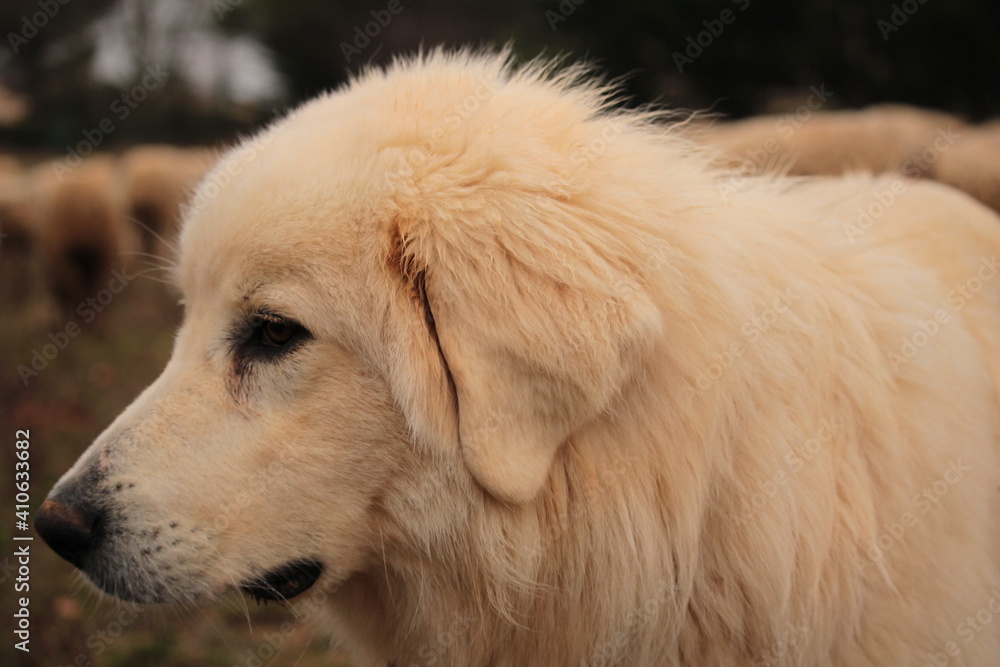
point(531, 356)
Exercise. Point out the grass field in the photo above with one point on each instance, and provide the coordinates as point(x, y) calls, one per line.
point(68, 403)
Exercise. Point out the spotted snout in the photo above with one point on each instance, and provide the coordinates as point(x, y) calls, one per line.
point(101, 526)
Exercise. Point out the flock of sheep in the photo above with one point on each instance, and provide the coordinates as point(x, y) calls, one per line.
point(915, 142)
point(104, 213)
point(108, 211)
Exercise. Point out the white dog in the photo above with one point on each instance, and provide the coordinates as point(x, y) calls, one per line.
point(511, 378)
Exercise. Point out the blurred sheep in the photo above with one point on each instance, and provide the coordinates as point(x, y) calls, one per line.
point(85, 231)
point(19, 240)
point(18, 219)
point(877, 139)
point(159, 180)
point(973, 164)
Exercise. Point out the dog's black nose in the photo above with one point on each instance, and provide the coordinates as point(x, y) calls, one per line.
point(67, 528)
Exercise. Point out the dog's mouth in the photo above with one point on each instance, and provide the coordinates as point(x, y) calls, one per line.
point(285, 582)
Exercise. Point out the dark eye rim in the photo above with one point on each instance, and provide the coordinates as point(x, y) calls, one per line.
point(270, 334)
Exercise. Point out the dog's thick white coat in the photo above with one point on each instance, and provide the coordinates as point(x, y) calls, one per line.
point(568, 399)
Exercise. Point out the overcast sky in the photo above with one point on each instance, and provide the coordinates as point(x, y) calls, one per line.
point(181, 35)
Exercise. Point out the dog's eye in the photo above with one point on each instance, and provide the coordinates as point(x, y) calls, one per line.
point(276, 332)
point(264, 336)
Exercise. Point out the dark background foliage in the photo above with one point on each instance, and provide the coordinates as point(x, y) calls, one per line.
point(680, 53)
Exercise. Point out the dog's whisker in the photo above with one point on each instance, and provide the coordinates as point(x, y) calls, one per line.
point(151, 274)
point(306, 645)
point(236, 586)
point(163, 261)
point(169, 244)
point(215, 558)
point(156, 268)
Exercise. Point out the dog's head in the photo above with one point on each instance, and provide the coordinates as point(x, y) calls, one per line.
point(408, 291)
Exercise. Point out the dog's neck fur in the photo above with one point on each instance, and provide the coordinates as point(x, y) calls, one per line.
point(508, 582)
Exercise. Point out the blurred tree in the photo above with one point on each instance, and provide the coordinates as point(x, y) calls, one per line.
point(84, 64)
point(737, 57)
point(318, 42)
point(943, 55)
point(46, 56)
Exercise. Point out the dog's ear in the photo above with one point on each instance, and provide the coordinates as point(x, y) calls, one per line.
point(533, 345)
